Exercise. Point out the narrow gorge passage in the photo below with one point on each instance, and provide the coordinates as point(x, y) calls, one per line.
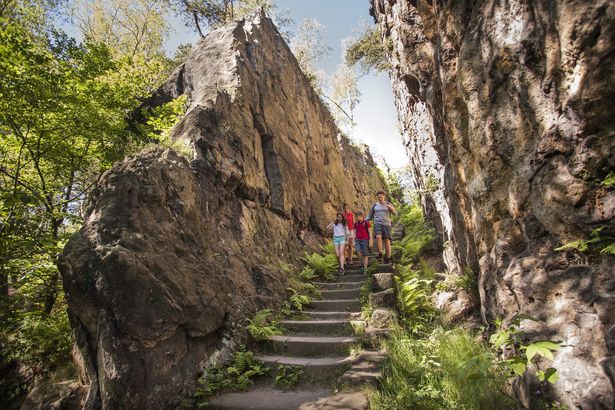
point(166, 200)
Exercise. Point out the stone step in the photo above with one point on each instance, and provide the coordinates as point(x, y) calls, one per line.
point(350, 305)
point(333, 315)
point(352, 278)
point(340, 294)
point(366, 368)
point(318, 327)
point(268, 398)
point(311, 345)
point(338, 285)
point(316, 367)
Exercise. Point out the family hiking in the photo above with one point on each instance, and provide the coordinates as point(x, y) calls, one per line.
point(351, 232)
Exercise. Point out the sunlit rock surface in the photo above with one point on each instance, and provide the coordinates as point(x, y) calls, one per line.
point(508, 109)
point(176, 252)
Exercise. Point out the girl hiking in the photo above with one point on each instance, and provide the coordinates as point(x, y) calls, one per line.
point(351, 233)
point(340, 232)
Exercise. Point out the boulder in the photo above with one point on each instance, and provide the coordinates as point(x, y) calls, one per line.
point(382, 318)
point(382, 281)
point(384, 299)
point(177, 250)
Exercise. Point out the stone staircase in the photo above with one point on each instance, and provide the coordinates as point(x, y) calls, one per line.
point(321, 344)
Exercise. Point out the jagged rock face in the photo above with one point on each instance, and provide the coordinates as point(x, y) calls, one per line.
point(175, 253)
point(509, 119)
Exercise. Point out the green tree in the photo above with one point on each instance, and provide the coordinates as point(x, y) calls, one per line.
point(310, 46)
point(126, 27)
point(202, 14)
point(368, 50)
point(345, 96)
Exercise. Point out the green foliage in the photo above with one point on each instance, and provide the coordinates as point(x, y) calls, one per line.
point(510, 337)
point(605, 244)
point(63, 109)
point(323, 266)
point(238, 375)
point(287, 376)
point(366, 289)
point(40, 342)
point(609, 180)
point(368, 51)
point(297, 300)
point(372, 267)
point(262, 326)
point(418, 232)
point(446, 369)
point(159, 121)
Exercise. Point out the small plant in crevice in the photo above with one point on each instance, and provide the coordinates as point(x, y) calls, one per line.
point(597, 242)
point(262, 326)
point(288, 376)
point(609, 180)
point(517, 356)
point(297, 300)
point(372, 267)
point(238, 375)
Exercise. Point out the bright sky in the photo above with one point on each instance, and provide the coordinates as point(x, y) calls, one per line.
point(376, 115)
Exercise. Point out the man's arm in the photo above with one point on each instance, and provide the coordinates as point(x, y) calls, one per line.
point(371, 214)
point(391, 208)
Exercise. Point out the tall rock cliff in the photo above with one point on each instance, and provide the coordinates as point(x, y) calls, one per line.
point(175, 253)
point(508, 108)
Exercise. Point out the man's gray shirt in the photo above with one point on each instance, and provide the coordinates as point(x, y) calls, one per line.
point(380, 214)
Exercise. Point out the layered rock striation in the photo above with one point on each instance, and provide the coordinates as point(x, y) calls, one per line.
point(176, 252)
point(508, 116)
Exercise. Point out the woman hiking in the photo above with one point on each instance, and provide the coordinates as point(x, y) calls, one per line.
point(340, 232)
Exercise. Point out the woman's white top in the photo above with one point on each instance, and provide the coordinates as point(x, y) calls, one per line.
point(339, 229)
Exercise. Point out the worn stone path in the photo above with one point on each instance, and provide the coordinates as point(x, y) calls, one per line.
point(321, 344)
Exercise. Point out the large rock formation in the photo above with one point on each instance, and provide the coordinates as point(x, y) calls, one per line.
point(176, 252)
point(508, 112)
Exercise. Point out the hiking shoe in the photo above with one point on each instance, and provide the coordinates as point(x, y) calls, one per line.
point(380, 256)
point(342, 272)
point(362, 270)
point(387, 260)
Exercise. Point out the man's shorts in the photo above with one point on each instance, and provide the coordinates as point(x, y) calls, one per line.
point(339, 240)
point(362, 246)
point(351, 235)
point(384, 230)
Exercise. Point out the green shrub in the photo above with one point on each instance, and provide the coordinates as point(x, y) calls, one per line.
point(41, 342)
point(288, 377)
point(448, 369)
point(322, 265)
point(262, 326)
point(238, 375)
point(418, 232)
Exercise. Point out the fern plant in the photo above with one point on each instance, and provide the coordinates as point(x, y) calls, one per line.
point(323, 266)
point(262, 326)
point(238, 375)
point(598, 242)
point(287, 376)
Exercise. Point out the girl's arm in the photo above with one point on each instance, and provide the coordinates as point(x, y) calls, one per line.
point(330, 225)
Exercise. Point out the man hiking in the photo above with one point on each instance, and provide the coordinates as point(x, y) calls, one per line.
point(380, 214)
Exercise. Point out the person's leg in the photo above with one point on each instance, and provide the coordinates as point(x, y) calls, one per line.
point(339, 252)
point(350, 248)
point(379, 245)
point(343, 256)
point(387, 245)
